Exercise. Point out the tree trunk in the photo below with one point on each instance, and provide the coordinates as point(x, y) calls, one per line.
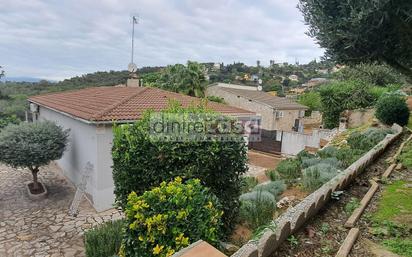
point(34, 171)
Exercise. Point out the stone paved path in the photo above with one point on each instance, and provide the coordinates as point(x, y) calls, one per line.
point(43, 228)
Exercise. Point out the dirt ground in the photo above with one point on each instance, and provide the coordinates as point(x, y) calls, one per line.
point(324, 233)
point(263, 160)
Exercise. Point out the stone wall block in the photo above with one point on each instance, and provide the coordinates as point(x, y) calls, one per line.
point(247, 250)
point(311, 211)
point(283, 232)
point(268, 243)
point(299, 221)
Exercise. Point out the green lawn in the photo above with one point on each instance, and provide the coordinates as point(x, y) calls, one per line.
point(394, 216)
point(410, 122)
point(396, 202)
point(399, 246)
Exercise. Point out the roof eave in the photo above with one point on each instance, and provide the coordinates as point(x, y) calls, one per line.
point(94, 122)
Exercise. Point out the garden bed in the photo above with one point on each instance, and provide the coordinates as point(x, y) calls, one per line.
point(322, 235)
point(290, 222)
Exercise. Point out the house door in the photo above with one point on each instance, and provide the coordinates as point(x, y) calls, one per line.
point(296, 126)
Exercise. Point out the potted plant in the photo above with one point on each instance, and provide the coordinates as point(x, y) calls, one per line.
point(32, 145)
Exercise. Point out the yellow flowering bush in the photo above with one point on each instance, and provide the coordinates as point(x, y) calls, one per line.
point(170, 217)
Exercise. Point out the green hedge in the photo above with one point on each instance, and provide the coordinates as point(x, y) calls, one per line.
point(170, 217)
point(139, 163)
point(338, 96)
point(104, 240)
point(392, 109)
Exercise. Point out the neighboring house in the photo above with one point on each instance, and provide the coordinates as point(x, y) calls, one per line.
point(216, 66)
point(254, 77)
point(315, 82)
point(90, 113)
point(337, 68)
point(323, 71)
point(297, 90)
point(277, 113)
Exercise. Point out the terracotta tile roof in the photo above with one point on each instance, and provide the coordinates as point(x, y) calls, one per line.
point(279, 103)
point(121, 103)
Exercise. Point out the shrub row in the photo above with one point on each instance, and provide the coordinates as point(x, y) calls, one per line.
point(364, 141)
point(141, 162)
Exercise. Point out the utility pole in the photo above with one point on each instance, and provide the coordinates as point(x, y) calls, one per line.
point(133, 80)
point(134, 21)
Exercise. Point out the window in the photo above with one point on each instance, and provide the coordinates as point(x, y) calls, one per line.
point(279, 114)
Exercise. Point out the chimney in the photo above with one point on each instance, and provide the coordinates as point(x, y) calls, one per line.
point(133, 81)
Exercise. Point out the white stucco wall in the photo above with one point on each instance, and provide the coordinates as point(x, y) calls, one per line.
point(87, 143)
point(294, 142)
point(104, 196)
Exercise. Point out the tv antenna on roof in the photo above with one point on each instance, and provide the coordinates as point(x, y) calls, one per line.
point(132, 66)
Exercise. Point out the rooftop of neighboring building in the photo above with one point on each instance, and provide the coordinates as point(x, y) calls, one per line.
point(278, 103)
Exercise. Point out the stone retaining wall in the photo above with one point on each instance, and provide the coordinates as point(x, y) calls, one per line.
point(290, 221)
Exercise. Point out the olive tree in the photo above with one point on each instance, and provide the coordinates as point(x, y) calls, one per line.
point(32, 145)
point(357, 31)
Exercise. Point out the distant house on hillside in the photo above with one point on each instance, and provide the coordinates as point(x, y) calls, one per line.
point(216, 66)
point(254, 77)
point(315, 82)
point(294, 77)
point(337, 68)
point(277, 113)
point(297, 90)
point(323, 71)
point(90, 113)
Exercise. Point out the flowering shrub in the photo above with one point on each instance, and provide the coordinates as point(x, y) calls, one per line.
point(170, 217)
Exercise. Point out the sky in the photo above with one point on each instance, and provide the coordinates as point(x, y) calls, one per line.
point(57, 39)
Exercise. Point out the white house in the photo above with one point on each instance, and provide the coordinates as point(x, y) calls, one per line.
point(90, 113)
point(294, 77)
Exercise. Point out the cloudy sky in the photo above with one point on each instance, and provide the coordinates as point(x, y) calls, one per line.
point(57, 39)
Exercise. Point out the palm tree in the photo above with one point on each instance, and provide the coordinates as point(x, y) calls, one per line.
point(194, 78)
point(183, 79)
